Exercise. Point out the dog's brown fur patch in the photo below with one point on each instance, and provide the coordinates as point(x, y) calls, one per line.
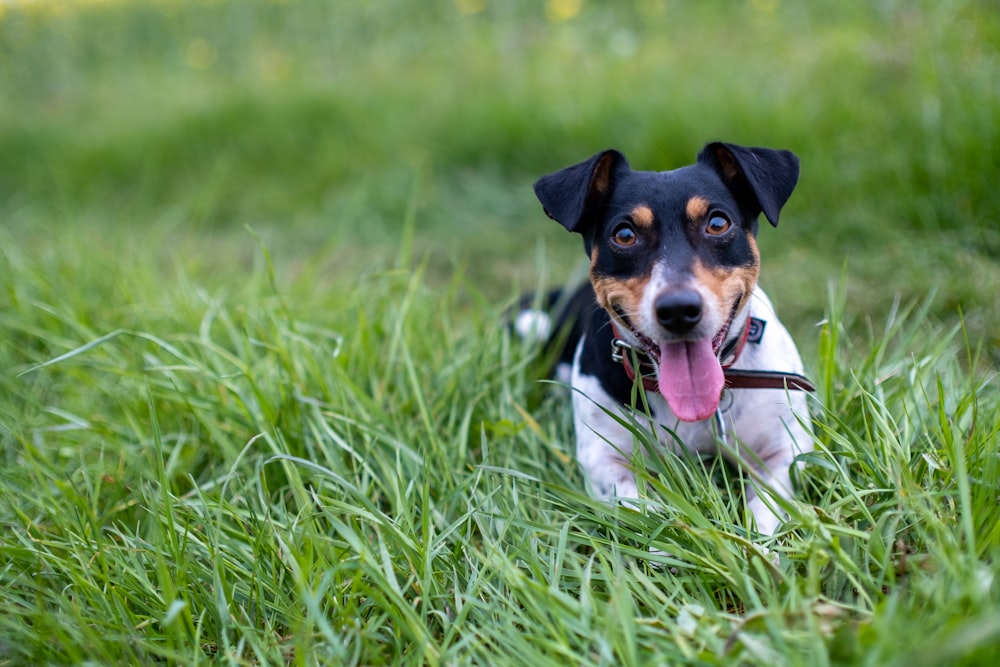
point(697, 208)
point(642, 216)
point(728, 284)
point(730, 168)
point(601, 178)
point(623, 294)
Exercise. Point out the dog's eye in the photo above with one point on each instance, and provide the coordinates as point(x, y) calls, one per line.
point(624, 235)
point(717, 225)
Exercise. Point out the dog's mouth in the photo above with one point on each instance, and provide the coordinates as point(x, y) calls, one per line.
point(652, 348)
point(689, 372)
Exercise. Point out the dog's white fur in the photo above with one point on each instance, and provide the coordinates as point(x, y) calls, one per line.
point(768, 427)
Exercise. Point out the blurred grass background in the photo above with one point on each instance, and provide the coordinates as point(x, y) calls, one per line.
point(155, 132)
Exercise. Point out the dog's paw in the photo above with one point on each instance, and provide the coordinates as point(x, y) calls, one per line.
point(771, 557)
point(660, 560)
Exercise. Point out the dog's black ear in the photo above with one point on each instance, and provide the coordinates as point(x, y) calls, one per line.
point(763, 175)
point(570, 195)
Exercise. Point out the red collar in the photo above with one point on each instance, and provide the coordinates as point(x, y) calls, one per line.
point(735, 378)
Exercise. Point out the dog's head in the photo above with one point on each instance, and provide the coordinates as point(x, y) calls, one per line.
point(673, 255)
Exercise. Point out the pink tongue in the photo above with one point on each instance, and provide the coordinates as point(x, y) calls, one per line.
point(691, 379)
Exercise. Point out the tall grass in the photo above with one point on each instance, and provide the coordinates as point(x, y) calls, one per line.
point(367, 475)
point(316, 122)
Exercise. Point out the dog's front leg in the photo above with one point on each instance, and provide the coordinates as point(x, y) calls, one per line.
point(606, 467)
point(603, 445)
point(771, 462)
point(768, 515)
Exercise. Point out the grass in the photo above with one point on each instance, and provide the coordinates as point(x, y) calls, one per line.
point(256, 406)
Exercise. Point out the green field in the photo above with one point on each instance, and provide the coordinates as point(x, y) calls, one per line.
point(257, 406)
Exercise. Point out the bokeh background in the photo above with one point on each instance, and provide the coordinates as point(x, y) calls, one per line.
point(177, 135)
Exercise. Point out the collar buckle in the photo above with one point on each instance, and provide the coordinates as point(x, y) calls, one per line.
point(634, 358)
point(619, 348)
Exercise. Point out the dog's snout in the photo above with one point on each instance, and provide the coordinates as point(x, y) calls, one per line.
point(678, 311)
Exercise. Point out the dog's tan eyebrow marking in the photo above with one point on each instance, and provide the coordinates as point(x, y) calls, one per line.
point(697, 208)
point(642, 216)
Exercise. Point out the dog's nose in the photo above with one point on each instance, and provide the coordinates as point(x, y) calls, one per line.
point(678, 311)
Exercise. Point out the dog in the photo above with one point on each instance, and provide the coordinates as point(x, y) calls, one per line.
point(673, 305)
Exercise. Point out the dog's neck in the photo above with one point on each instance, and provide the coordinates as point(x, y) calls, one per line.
point(735, 378)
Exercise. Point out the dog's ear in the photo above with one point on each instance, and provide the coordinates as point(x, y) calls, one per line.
point(570, 195)
point(762, 176)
